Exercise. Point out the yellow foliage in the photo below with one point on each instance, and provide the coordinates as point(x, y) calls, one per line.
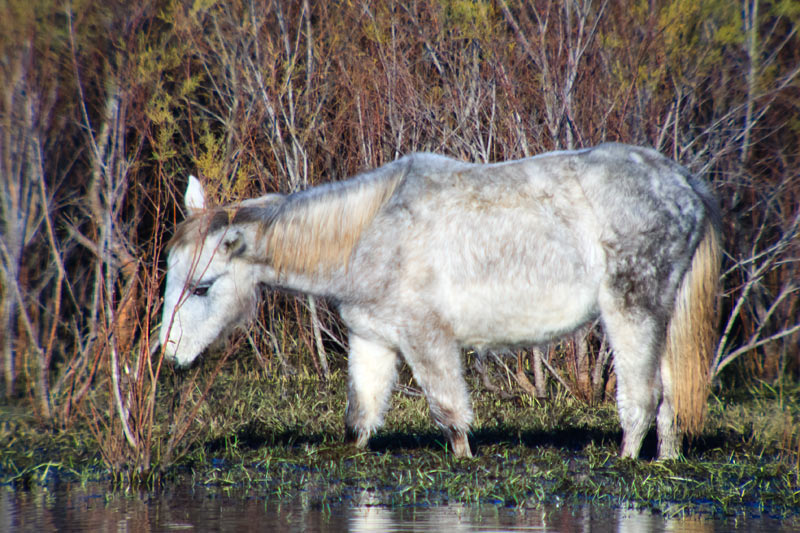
point(209, 162)
point(189, 85)
point(692, 37)
point(473, 19)
point(16, 17)
point(201, 6)
point(694, 32)
point(159, 109)
point(242, 184)
point(787, 8)
point(164, 149)
point(374, 33)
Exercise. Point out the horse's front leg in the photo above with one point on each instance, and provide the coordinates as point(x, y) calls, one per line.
point(372, 371)
point(435, 361)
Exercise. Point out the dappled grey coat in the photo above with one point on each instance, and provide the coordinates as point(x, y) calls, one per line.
point(427, 255)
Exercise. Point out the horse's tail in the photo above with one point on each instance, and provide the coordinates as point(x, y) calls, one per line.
point(691, 332)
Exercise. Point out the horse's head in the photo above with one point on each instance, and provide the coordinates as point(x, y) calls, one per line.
point(210, 287)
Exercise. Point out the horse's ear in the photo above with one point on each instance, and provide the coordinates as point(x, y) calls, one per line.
point(195, 198)
point(234, 244)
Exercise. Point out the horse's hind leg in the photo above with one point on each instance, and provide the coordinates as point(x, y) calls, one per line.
point(668, 434)
point(637, 338)
point(372, 371)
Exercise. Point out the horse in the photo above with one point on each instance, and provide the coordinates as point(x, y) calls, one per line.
point(428, 255)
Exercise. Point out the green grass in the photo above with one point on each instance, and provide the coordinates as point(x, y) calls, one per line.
point(282, 436)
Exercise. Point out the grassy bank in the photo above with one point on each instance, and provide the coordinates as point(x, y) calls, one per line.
point(260, 434)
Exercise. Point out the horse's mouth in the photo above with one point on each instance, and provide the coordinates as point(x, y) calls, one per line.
point(156, 346)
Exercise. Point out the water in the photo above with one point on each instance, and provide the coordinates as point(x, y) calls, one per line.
point(68, 507)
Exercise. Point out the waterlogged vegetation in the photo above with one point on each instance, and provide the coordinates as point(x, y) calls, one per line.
point(272, 435)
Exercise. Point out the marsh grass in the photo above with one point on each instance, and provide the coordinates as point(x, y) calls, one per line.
point(274, 435)
point(100, 129)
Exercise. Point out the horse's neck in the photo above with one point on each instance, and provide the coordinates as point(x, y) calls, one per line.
point(325, 282)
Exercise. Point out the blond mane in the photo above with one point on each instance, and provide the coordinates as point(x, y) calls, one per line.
point(309, 231)
point(317, 231)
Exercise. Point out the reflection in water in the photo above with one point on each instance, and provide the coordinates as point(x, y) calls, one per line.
point(90, 508)
point(581, 519)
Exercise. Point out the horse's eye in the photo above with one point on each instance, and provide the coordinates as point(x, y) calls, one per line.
point(201, 290)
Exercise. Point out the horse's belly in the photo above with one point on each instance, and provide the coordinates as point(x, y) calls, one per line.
point(484, 316)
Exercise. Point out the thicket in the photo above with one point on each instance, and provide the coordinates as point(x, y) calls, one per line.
point(107, 106)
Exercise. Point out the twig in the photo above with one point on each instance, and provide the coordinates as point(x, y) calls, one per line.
point(557, 376)
point(480, 366)
point(122, 411)
point(752, 345)
point(754, 278)
point(523, 381)
point(315, 326)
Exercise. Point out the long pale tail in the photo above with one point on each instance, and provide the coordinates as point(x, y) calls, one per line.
point(691, 333)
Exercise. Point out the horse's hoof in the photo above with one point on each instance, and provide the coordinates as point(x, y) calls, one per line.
point(357, 438)
point(460, 446)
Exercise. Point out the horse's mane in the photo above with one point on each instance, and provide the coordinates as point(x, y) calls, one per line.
point(308, 231)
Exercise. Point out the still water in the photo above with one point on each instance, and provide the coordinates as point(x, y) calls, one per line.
point(67, 507)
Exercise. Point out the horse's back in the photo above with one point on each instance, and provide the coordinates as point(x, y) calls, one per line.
point(607, 193)
point(478, 244)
